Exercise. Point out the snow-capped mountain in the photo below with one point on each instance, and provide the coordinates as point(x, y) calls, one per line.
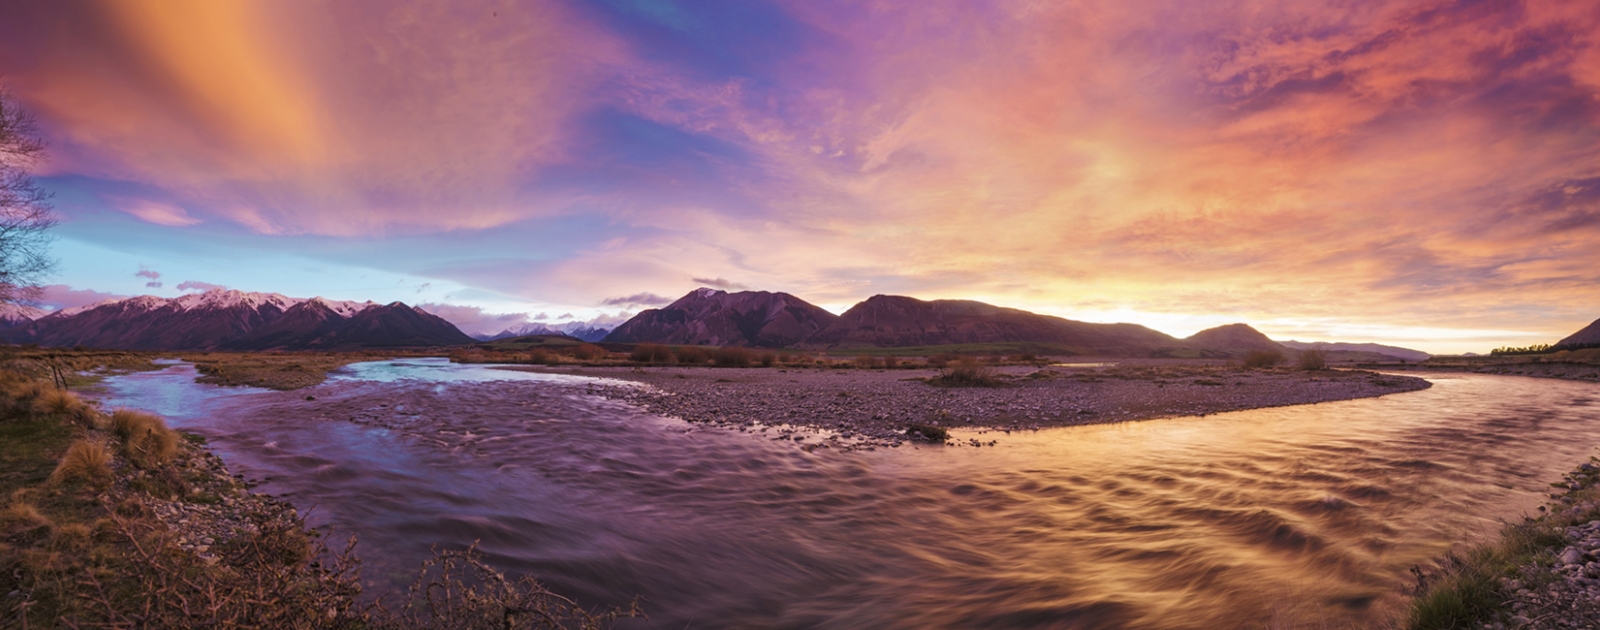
point(581, 330)
point(223, 319)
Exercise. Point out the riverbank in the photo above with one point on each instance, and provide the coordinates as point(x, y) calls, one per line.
point(1542, 573)
point(868, 409)
point(112, 519)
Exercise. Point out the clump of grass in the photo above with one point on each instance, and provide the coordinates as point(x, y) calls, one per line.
point(927, 432)
point(731, 356)
point(1313, 359)
point(968, 373)
point(146, 440)
point(70, 537)
point(1258, 359)
point(88, 461)
point(22, 516)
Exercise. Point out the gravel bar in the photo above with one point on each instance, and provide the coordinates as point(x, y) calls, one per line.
point(848, 409)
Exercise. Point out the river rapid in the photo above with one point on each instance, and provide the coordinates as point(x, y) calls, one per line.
point(1294, 516)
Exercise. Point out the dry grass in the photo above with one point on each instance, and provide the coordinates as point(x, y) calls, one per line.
point(457, 590)
point(87, 461)
point(281, 371)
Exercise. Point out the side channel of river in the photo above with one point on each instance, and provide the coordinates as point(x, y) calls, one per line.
point(1291, 515)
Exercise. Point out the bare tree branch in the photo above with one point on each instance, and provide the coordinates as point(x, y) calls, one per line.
point(26, 214)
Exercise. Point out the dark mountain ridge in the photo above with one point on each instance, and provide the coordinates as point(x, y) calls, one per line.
point(711, 317)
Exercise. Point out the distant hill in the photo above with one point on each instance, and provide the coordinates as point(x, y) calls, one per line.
point(1588, 337)
point(717, 318)
point(892, 320)
point(234, 320)
point(1405, 354)
point(776, 320)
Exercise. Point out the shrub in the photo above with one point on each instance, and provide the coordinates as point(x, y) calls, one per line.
point(1263, 359)
point(768, 359)
point(145, 438)
point(866, 362)
point(538, 356)
point(87, 461)
point(927, 432)
point(890, 362)
point(967, 374)
point(941, 360)
point(1314, 359)
point(589, 352)
point(650, 353)
point(731, 356)
point(691, 355)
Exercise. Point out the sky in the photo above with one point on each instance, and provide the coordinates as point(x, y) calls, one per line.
point(1423, 173)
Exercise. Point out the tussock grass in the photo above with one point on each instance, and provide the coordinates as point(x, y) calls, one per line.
point(87, 461)
point(22, 516)
point(146, 440)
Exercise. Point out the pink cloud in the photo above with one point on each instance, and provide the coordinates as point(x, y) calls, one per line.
point(196, 285)
point(154, 212)
point(59, 296)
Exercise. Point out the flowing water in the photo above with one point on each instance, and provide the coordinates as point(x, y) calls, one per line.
point(1296, 515)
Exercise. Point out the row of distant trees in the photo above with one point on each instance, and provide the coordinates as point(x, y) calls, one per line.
point(1540, 348)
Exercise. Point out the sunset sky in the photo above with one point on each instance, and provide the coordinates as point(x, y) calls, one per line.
point(1422, 173)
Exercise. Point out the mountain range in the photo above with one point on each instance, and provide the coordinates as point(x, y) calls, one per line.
point(223, 319)
point(780, 320)
point(577, 330)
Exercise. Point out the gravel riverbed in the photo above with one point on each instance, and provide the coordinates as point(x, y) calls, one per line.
point(849, 409)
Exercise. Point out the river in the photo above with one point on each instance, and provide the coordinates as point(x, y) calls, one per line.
point(1281, 517)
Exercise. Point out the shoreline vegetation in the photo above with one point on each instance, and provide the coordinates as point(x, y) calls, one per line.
point(113, 519)
point(1540, 573)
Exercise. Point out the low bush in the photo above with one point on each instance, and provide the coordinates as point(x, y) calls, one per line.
point(866, 362)
point(1257, 359)
point(589, 352)
point(890, 362)
point(1313, 359)
point(690, 355)
point(768, 359)
point(650, 353)
point(731, 356)
point(88, 461)
point(967, 373)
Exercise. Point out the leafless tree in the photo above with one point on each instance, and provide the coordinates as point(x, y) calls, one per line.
point(26, 214)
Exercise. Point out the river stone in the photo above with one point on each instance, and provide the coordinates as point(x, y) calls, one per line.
point(1571, 556)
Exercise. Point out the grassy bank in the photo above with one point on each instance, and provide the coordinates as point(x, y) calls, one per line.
point(1516, 581)
point(115, 520)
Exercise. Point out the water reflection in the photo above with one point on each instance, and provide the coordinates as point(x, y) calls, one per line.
point(1303, 513)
